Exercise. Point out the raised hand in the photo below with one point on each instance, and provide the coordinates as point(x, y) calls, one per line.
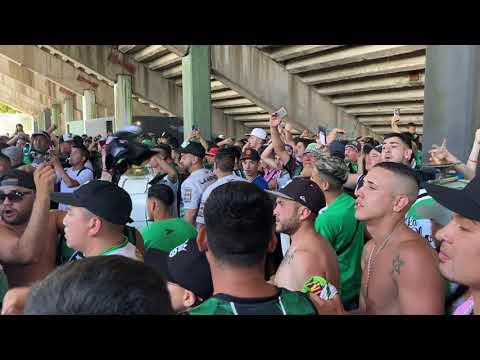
point(44, 177)
point(274, 120)
point(440, 154)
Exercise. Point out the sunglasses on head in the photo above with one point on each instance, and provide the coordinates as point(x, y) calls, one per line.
point(15, 196)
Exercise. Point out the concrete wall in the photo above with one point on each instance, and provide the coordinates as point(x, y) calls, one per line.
point(256, 76)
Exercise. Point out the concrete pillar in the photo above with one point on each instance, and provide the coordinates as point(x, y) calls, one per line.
point(67, 113)
point(122, 93)
point(41, 120)
point(196, 91)
point(55, 117)
point(89, 106)
point(452, 95)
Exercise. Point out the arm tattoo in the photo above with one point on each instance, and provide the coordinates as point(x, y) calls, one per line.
point(397, 263)
point(288, 257)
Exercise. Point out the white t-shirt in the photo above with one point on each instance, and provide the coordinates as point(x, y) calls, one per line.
point(208, 191)
point(81, 176)
point(193, 188)
point(174, 187)
point(89, 165)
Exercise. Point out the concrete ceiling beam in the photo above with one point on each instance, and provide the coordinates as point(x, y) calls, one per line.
point(383, 97)
point(349, 55)
point(180, 50)
point(386, 120)
point(366, 70)
point(386, 129)
point(224, 104)
point(356, 86)
point(293, 51)
point(245, 110)
point(387, 109)
point(253, 124)
point(149, 52)
point(173, 72)
point(252, 117)
point(165, 61)
point(221, 95)
point(126, 48)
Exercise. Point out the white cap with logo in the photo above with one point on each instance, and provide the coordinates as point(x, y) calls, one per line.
point(260, 133)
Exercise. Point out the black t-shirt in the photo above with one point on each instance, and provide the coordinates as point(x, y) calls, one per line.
point(293, 166)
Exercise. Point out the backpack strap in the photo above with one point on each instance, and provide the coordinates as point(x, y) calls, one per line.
point(83, 168)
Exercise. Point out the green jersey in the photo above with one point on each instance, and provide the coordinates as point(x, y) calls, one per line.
point(286, 302)
point(66, 253)
point(423, 212)
point(338, 225)
point(3, 284)
point(166, 235)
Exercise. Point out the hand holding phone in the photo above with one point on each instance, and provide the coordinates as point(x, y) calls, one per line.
point(281, 113)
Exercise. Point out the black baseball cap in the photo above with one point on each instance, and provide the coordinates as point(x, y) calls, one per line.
point(15, 177)
point(195, 149)
point(102, 198)
point(354, 145)
point(465, 202)
point(251, 154)
point(185, 266)
point(304, 191)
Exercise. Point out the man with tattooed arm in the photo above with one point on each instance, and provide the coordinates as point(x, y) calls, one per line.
point(400, 270)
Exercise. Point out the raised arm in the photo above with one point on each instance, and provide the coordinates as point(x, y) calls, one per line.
point(196, 134)
point(27, 248)
point(278, 144)
point(332, 135)
point(13, 140)
point(394, 123)
point(287, 131)
point(472, 163)
point(440, 154)
point(168, 169)
point(267, 156)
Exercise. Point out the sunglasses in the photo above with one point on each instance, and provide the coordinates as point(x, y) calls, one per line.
point(15, 196)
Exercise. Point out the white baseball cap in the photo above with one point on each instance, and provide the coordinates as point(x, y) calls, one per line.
point(67, 137)
point(260, 133)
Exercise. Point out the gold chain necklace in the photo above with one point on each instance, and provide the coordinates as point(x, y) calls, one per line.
point(371, 259)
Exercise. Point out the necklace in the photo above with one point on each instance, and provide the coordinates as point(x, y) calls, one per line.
point(371, 259)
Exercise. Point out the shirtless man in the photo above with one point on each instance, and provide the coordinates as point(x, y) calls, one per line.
point(400, 270)
point(27, 228)
point(298, 204)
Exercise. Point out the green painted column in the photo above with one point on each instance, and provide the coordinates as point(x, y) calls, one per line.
point(122, 93)
point(55, 117)
point(196, 91)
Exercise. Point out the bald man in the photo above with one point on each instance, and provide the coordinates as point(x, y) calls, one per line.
point(400, 270)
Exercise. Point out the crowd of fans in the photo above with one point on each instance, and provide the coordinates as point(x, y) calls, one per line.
point(271, 224)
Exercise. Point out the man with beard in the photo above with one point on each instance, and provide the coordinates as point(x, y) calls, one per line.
point(27, 228)
point(310, 254)
point(460, 240)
